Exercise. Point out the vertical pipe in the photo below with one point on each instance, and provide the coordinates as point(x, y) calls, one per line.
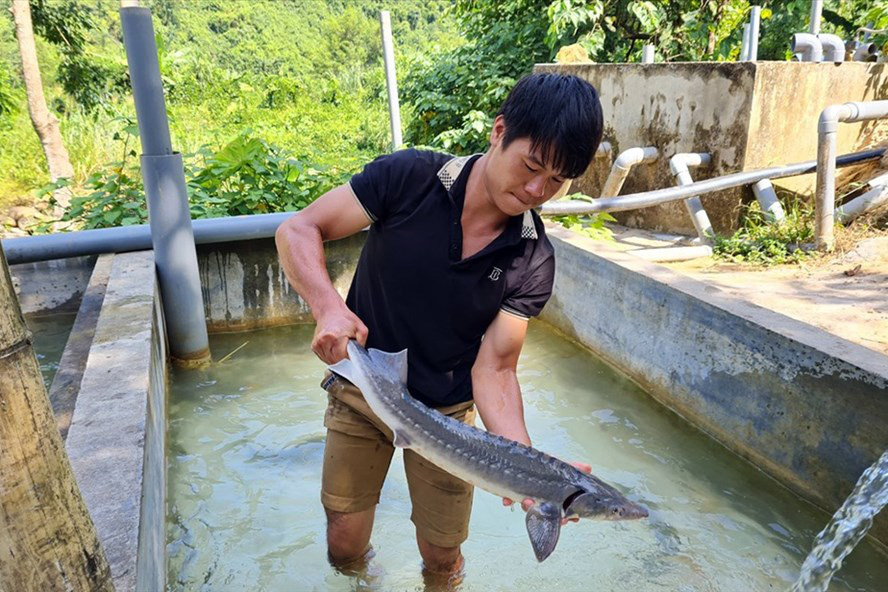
point(391, 80)
point(171, 233)
point(679, 164)
point(647, 54)
point(824, 198)
point(744, 45)
point(754, 20)
point(816, 11)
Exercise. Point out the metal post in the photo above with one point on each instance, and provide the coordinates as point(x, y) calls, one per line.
point(816, 11)
point(391, 81)
point(754, 20)
point(171, 234)
point(647, 54)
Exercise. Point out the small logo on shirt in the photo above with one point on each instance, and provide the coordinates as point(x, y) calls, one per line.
point(495, 274)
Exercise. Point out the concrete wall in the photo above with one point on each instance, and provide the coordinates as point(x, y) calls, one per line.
point(117, 432)
point(51, 286)
point(747, 115)
point(803, 405)
point(245, 288)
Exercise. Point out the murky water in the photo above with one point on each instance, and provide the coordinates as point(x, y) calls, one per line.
point(245, 450)
point(50, 336)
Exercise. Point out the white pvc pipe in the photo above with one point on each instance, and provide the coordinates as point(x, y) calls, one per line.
point(755, 18)
point(744, 44)
point(767, 198)
point(833, 48)
point(825, 194)
point(623, 164)
point(875, 197)
point(808, 46)
point(679, 165)
point(647, 54)
point(391, 80)
point(816, 11)
point(666, 254)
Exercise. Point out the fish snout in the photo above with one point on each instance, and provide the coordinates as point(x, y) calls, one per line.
point(628, 511)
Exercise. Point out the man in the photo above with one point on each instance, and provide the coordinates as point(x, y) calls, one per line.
point(455, 253)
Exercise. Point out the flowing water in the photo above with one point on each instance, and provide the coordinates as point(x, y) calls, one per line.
point(50, 336)
point(245, 448)
point(849, 524)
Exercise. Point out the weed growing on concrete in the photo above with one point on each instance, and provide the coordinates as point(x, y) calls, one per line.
point(763, 243)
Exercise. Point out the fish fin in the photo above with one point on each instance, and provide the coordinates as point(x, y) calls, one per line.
point(395, 363)
point(344, 368)
point(401, 440)
point(544, 526)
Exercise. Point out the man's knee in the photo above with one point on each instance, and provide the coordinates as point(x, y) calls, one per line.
point(437, 559)
point(348, 535)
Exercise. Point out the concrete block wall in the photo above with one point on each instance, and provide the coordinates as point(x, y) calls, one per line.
point(805, 406)
point(746, 115)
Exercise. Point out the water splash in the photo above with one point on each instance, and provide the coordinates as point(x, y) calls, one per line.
point(848, 525)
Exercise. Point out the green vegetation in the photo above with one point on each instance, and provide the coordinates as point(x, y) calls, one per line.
point(303, 78)
point(762, 243)
point(273, 102)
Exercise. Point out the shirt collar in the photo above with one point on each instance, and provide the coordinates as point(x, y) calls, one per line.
point(453, 168)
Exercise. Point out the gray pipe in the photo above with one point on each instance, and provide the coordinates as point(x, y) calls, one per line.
point(816, 12)
point(122, 239)
point(755, 18)
point(679, 165)
point(808, 46)
point(646, 199)
point(391, 80)
point(825, 194)
point(744, 44)
point(174, 254)
point(833, 48)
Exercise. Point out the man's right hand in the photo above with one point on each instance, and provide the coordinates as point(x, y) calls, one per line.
point(332, 332)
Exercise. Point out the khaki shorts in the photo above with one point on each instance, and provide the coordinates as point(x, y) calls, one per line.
point(357, 456)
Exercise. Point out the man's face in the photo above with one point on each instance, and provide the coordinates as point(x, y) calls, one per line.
point(517, 179)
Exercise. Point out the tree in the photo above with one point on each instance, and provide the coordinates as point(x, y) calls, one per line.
point(47, 539)
point(45, 123)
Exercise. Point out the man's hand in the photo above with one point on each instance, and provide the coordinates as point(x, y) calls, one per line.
point(332, 332)
point(526, 503)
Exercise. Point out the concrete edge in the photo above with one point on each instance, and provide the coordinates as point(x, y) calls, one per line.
point(114, 428)
point(804, 333)
point(66, 384)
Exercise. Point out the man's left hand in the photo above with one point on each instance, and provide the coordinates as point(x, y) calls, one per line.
point(526, 503)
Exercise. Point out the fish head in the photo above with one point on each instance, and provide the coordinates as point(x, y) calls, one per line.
point(603, 504)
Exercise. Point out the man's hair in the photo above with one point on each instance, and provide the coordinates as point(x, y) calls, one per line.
point(560, 115)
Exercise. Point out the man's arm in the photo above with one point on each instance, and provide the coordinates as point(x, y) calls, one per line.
point(494, 381)
point(300, 244)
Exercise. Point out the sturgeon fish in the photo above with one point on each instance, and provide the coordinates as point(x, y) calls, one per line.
point(498, 465)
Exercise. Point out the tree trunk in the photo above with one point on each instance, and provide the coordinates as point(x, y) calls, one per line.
point(45, 123)
point(47, 539)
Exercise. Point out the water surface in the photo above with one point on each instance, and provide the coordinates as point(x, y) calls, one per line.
point(50, 336)
point(246, 443)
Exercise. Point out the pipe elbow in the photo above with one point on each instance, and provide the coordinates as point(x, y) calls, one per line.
point(679, 163)
point(633, 156)
point(604, 149)
point(833, 47)
point(808, 45)
point(830, 118)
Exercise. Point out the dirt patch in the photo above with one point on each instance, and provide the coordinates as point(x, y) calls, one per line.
point(846, 294)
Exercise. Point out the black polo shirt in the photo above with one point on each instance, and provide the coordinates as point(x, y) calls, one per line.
point(411, 287)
